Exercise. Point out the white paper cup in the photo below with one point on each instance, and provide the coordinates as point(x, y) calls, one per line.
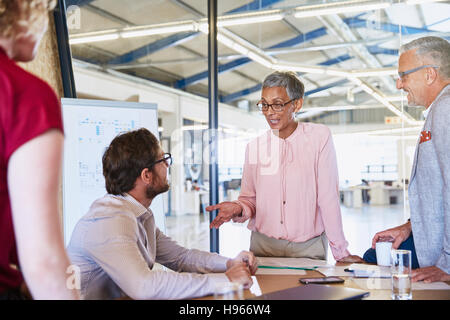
point(383, 250)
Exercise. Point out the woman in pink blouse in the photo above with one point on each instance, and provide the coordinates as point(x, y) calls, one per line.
point(289, 190)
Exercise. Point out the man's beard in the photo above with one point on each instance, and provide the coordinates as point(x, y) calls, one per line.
point(157, 188)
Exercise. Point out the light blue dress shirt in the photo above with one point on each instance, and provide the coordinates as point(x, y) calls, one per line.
point(116, 244)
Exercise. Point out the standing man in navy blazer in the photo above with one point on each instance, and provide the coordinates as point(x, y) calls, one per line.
point(424, 73)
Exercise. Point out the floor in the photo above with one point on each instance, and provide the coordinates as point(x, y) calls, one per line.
point(360, 225)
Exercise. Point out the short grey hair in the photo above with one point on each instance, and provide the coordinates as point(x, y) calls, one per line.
point(288, 80)
point(435, 48)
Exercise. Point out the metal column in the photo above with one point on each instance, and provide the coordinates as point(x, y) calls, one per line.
point(65, 57)
point(213, 120)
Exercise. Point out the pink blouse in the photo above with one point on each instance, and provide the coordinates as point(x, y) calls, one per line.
point(290, 187)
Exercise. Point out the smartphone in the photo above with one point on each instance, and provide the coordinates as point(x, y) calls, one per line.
point(326, 280)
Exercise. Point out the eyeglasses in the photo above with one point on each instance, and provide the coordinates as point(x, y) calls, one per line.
point(167, 158)
point(401, 74)
point(277, 107)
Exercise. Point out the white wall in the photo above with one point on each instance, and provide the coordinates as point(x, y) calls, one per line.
point(173, 106)
point(115, 86)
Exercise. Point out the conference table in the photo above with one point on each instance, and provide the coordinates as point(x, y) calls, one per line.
point(266, 282)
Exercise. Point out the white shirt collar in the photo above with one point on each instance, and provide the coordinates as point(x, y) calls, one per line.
point(426, 111)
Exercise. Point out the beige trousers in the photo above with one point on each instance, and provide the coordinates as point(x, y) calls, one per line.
point(264, 246)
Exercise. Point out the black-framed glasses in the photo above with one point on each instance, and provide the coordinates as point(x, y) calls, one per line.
point(167, 158)
point(277, 107)
point(401, 74)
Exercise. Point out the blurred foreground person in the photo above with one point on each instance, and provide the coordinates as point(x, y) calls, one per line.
point(31, 142)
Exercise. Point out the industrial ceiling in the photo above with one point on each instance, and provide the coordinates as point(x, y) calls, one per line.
point(345, 52)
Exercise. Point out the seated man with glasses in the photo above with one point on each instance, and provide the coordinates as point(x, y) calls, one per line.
point(117, 243)
point(289, 190)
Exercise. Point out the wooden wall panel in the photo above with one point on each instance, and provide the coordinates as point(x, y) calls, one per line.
point(46, 64)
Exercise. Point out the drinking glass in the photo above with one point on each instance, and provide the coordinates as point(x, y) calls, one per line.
point(401, 275)
point(228, 291)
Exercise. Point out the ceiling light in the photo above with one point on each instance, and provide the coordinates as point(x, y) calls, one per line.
point(412, 2)
point(299, 68)
point(384, 100)
point(356, 81)
point(369, 90)
point(261, 60)
point(227, 22)
point(225, 40)
point(339, 7)
point(375, 72)
point(232, 44)
point(141, 32)
point(336, 72)
point(203, 27)
point(231, 20)
point(244, 47)
point(96, 38)
point(241, 49)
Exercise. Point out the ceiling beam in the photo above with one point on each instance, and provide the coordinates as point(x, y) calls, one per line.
point(379, 50)
point(340, 28)
point(314, 34)
point(242, 93)
point(179, 38)
point(180, 84)
point(239, 94)
point(164, 43)
point(254, 5)
point(328, 86)
point(187, 7)
point(383, 26)
point(338, 45)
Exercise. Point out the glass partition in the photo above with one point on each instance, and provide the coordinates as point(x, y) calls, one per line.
point(345, 53)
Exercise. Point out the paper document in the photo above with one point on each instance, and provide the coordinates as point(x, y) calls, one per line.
point(430, 286)
point(336, 271)
point(369, 271)
point(386, 284)
point(255, 288)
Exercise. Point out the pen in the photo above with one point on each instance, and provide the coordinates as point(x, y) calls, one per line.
point(291, 268)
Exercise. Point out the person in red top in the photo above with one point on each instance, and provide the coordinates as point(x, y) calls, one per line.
point(31, 143)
